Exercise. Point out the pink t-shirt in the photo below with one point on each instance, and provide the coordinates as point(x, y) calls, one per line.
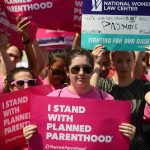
point(93, 93)
point(41, 81)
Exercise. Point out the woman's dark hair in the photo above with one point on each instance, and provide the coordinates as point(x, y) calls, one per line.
point(10, 76)
point(56, 53)
point(79, 52)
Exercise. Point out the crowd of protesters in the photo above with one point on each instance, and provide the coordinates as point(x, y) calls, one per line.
point(114, 75)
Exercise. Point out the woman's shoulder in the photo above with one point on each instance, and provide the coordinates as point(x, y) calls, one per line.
point(140, 82)
point(104, 95)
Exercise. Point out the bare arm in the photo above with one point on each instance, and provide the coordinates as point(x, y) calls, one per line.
point(77, 41)
point(138, 69)
point(32, 52)
point(147, 97)
point(97, 52)
point(39, 55)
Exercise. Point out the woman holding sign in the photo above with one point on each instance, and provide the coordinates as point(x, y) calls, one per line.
point(79, 70)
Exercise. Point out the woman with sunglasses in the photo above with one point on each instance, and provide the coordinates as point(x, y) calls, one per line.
point(18, 79)
point(79, 70)
point(56, 75)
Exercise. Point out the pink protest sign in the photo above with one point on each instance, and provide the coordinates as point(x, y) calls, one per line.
point(69, 123)
point(52, 14)
point(8, 26)
point(40, 90)
point(15, 115)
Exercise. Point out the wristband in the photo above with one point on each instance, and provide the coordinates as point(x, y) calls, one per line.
point(26, 42)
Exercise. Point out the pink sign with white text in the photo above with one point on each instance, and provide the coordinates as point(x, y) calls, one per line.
point(15, 115)
point(52, 14)
point(79, 124)
point(8, 26)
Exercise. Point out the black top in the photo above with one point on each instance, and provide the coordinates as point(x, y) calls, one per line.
point(136, 92)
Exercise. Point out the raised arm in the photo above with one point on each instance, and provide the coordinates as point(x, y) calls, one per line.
point(138, 69)
point(32, 51)
point(39, 55)
point(97, 53)
point(76, 41)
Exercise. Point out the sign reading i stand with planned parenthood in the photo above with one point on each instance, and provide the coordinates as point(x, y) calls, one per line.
point(119, 25)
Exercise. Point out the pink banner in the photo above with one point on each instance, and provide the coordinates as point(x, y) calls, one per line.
point(52, 14)
point(8, 26)
point(15, 115)
point(81, 124)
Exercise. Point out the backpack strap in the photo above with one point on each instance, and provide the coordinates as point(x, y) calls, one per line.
point(100, 94)
point(59, 93)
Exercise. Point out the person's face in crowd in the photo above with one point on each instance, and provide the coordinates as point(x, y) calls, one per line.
point(123, 63)
point(14, 54)
point(22, 80)
point(80, 71)
point(56, 72)
point(146, 61)
point(104, 66)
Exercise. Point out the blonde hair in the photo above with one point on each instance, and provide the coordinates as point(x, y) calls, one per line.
point(112, 53)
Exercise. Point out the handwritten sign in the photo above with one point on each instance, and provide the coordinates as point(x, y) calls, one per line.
point(70, 123)
point(119, 25)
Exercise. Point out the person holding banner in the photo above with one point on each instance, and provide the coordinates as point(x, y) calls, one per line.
point(79, 70)
point(32, 49)
point(124, 87)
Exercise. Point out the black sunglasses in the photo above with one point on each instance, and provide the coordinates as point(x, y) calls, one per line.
point(86, 69)
point(21, 83)
point(57, 72)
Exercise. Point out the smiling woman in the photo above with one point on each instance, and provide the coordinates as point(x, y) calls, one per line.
point(19, 78)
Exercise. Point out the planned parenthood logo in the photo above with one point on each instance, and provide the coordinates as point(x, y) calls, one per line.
point(96, 5)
